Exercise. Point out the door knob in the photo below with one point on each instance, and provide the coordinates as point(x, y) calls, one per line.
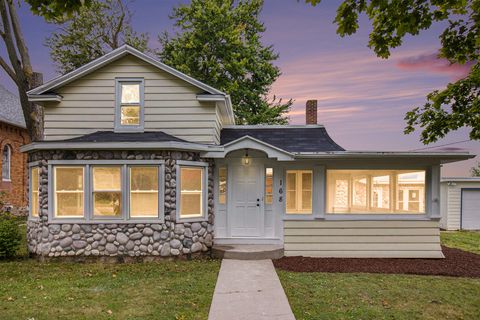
point(258, 200)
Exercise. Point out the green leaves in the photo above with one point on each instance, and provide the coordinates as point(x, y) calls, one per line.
point(453, 107)
point(92, 32)
point(219, 43)
point(57, 10)
point(450, 109)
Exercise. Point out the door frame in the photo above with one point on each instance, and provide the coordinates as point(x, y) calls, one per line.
point(231, 206)
point(236, 162)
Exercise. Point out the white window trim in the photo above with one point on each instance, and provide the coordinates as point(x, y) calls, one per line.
point(299, 172)
point(31, 166)
point(198, 164)
point(88, 216)
point(9, 157)
point(432, 187)
point(118, 103)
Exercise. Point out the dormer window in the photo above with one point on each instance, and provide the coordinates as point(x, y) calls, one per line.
point(129, 111)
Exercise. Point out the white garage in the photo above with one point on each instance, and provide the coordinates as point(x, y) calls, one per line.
point(460, 204)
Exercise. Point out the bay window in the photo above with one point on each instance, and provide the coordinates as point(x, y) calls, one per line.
point(299, 187)
point(144, 191)
point(114, 190)
point(192, 190)
point(34, 191)
point(376, 191)
point(107, 191)
point(69, 192)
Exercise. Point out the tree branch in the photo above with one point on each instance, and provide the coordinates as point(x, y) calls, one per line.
point(20, 40)
point(8, 70)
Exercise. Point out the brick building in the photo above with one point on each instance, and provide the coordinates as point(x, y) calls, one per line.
point(13, 134)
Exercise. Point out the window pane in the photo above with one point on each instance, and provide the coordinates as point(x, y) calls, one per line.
point(69, 195)
point(6, 158)
point(381, 192)
point(375, 191)
point(130, 115)
point(411, 192)
point(191, 192)
point(299, 191)
point(34, 199)
point(360, 191)
point(143, 191)
point(130, 93)
point(107, 191)
point(268, 185)
point(291, 188)
point(222, 187)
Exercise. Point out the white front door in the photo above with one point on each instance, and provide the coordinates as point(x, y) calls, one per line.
point(247, 215)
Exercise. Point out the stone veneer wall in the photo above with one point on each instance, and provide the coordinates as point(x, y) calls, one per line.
point(121, 239)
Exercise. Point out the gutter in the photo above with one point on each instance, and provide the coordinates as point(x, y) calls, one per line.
point(169, 145)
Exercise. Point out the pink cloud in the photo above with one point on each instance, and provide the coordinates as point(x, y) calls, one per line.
point(432, 63)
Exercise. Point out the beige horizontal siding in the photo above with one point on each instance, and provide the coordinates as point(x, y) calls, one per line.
point(171, 105)
point(356, 239)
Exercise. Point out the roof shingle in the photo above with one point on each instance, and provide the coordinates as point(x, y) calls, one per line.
point(289, 138)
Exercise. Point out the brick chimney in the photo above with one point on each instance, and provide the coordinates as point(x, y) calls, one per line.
point(311, 112)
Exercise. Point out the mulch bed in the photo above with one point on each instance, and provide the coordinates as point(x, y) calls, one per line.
point(457, 263)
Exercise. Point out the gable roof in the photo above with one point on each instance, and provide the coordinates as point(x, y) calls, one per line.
point(308, 138)
point(11, 109)
point(110, 57)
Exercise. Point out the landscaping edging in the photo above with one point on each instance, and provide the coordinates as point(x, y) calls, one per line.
point(457, 263)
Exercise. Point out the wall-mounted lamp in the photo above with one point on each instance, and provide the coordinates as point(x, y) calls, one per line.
point(246, 160)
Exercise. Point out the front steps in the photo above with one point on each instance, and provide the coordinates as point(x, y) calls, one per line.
point(247, 251)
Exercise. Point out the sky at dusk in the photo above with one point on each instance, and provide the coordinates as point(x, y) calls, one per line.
point(362, 99)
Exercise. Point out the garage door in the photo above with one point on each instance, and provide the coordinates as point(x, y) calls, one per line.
point(471, 209)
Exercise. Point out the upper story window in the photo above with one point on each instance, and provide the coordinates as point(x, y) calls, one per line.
point(129, 111)
point(6, 160)
point(375, 191)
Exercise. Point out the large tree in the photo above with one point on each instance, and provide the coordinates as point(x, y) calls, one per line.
point(56, 10)
point(220, 44)
point(93, 31)
point(18, 67)
point(457, 105)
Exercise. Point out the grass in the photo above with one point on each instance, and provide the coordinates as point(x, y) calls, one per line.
point(369, 296)
point(464, 240)
point(376, 296)
point(65, 290)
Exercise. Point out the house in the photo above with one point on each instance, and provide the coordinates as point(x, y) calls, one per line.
point(140, 159)
point(460, 203)
point(13, 134)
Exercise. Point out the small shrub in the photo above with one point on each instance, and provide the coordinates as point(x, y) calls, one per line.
point(10, 236)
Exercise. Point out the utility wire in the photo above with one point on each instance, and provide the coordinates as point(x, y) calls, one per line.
point(442, 145)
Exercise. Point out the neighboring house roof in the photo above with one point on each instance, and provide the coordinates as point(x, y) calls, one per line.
point(308, 138)
point(110, 136)
point(11, 109)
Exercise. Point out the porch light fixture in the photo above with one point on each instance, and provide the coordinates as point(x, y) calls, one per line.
point(246, 160)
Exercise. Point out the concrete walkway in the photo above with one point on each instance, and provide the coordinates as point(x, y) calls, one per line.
point(249, 289)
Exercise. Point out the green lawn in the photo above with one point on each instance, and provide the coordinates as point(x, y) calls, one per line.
point(154, 290)
point(465, 240)
point(376, 296)
point(373, 296)
point(163, 290)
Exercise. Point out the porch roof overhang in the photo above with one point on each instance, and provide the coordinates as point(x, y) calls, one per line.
point(442, 157)
point(247, 142)
point(164, 145)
